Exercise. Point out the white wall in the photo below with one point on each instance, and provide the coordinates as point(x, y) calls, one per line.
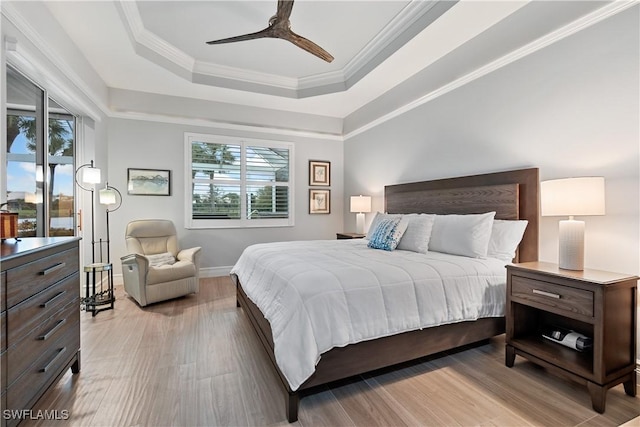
point(570, 109)
point(151, 145)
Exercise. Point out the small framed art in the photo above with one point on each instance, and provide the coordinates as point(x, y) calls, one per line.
point(319, 173)
point(149, 182)
point(319, 201)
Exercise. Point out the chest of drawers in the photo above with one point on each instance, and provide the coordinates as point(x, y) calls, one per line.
point(40, 318)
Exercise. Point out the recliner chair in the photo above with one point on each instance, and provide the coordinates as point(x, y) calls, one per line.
point(156, 269)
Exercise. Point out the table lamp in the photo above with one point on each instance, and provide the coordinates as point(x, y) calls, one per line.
point(360, 204)
point(571, 197)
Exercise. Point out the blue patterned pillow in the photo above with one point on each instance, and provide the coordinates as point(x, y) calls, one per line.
point(387, 234)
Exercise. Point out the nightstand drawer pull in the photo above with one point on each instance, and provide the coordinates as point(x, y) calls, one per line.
point(546, 294)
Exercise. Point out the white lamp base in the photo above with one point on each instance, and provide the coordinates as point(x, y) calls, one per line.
point(571, 249)
point(360, 223)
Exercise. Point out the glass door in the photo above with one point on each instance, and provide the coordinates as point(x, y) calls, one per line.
point(40, 160)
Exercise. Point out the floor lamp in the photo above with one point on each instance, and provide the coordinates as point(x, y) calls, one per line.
point(90, 175)
point(110, 196)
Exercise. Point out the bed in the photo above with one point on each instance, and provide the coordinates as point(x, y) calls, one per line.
point(513, 195)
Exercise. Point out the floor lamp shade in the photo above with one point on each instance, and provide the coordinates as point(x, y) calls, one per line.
point(107, 196)
point(572, 197)
point(91, 175)
point(360, 204)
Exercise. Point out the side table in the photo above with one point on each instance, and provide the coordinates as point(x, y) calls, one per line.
point(595, 303)
point(341, 236)
point(98, 295)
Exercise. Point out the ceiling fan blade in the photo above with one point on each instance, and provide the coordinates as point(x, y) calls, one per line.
point(284, 10)
point(267, 32)
point(307, 45)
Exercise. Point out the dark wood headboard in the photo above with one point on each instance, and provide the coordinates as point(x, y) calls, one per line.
point(512, 194)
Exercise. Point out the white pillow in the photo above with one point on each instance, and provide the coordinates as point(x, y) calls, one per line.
point(416, 238)
point(159, 260)
point(466, 235)
point(387, 233)
point(377, 218)
point(505, 238)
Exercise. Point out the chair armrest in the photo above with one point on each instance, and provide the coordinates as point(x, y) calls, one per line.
point(141, 260)
point(135, 268)
point(190, 254)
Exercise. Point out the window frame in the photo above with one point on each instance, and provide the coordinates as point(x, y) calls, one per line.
point(44, 111)
point(242, 222)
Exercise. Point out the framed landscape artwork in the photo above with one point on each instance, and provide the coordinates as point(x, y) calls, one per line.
point(319, 173)
point(319, 201)
point(149, 182)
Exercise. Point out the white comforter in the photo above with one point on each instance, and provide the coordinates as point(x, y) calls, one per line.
point(323, 294)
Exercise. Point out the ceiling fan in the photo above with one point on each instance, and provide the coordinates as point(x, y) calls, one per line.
point(280, 28)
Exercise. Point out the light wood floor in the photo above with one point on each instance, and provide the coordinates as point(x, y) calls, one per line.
point(195, 361)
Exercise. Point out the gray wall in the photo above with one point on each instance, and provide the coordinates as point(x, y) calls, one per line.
point(151, 145)
point(570, 109)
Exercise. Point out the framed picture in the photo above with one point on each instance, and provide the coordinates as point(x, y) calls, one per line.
point(149, 182)
point(319, 201)
point(319, 173)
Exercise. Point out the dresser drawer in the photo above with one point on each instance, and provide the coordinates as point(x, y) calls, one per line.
point(3, 287)
point(3, 329)
point(3, 372)
point(39, 341)
point(29, 279)
point(562, 298)
point(25, 390)
point(25, 316)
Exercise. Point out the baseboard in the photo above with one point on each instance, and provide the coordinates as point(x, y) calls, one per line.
point(204, 272)
point(215, 271)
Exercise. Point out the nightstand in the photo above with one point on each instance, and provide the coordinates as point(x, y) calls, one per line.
point(598, 304)
point(341, 236)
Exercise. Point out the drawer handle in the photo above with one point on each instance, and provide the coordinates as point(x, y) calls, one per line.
point(53, 330)
point(53, 268)
point(52, 299)
point(56, 357)
point(546, 294)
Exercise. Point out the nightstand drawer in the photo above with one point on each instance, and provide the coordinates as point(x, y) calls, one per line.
point(560, 297)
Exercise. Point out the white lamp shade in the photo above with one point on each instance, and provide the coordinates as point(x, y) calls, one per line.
point(572, 196)
point(360, 203)
point(107, 196)
point(91, 175)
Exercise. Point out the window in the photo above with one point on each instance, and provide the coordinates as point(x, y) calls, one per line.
point(39, 162)
point(237, 182)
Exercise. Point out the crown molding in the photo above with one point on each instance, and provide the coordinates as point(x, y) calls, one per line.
point(148, 44)
point(29, 62)
point(216, 70)
point(574, 27)
point(143, 37)
point(163, 118)
point(397, 26)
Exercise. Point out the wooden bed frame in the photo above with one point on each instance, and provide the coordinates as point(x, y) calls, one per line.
point(512, 194)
